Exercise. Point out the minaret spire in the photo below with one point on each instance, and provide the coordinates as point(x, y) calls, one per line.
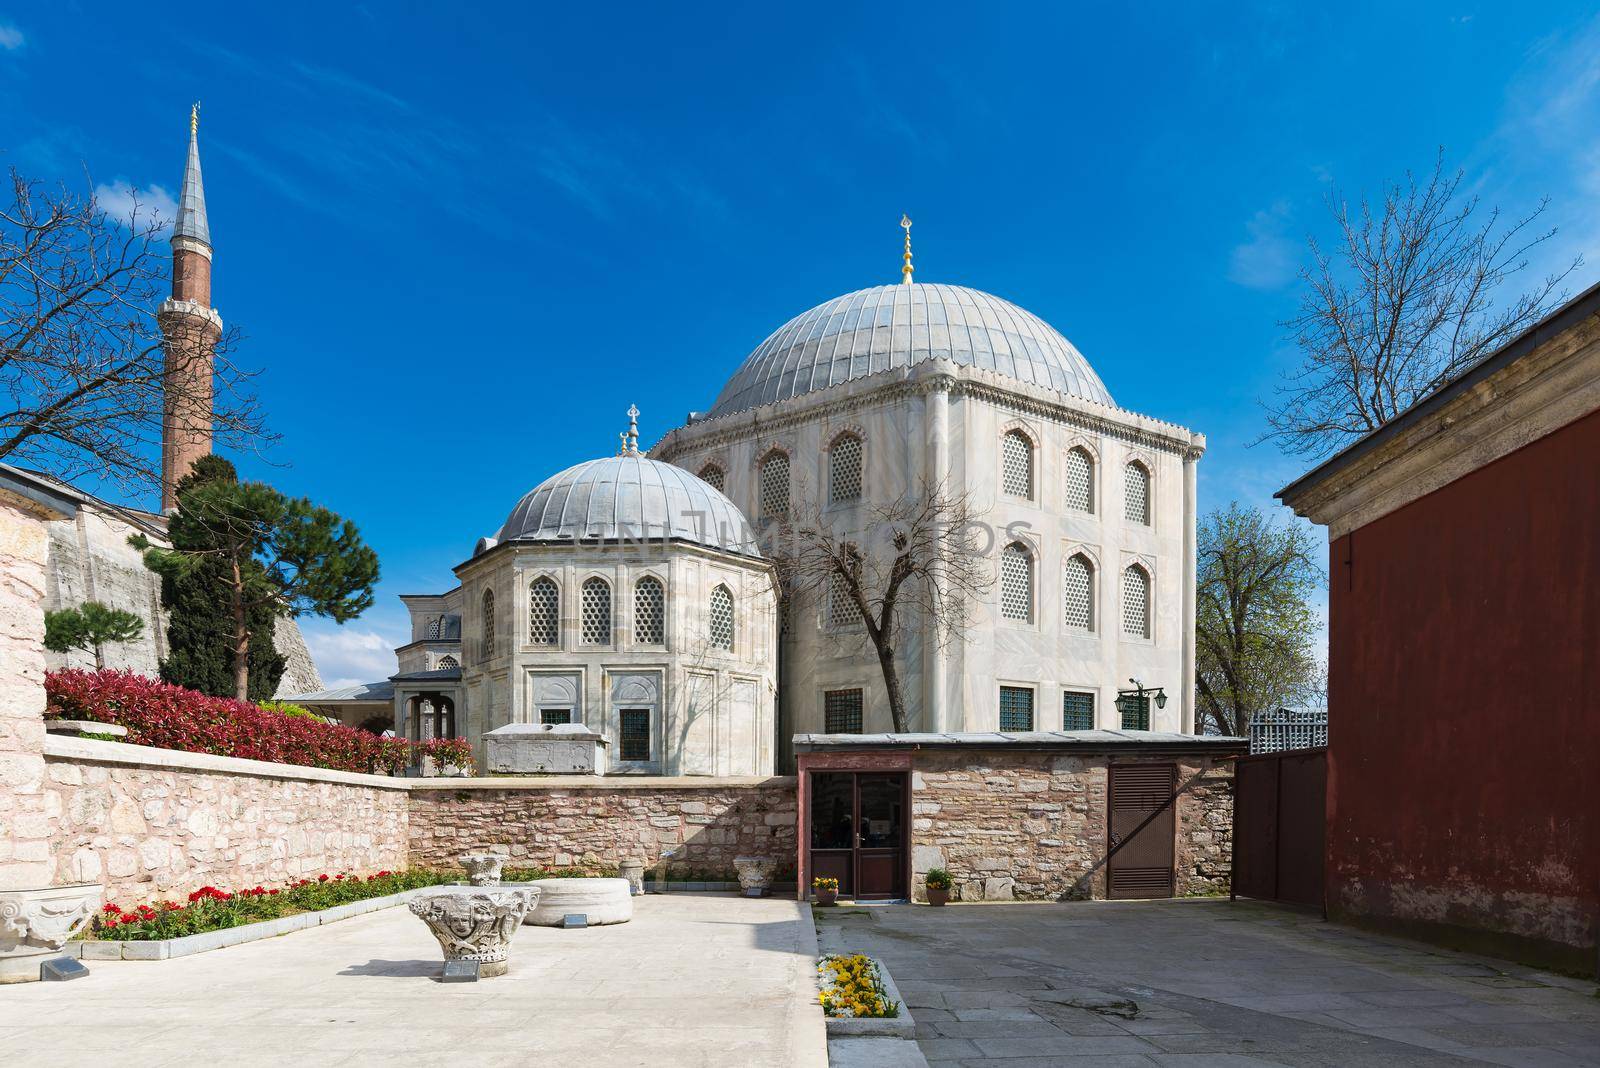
point(630, 436)
point(191, 223)
point(905, 272)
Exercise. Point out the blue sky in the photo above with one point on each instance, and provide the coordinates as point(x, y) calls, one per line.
point(461, 244)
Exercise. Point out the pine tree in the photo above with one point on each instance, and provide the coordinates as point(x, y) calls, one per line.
point(91, 625)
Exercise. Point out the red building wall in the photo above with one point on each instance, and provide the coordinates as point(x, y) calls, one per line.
point(1464, 698)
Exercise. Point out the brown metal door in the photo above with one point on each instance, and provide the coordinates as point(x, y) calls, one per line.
point(1255, 829)
point(1279, 811)
point(1142, 831)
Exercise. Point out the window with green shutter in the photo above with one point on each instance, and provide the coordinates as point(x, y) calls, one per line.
point(1077, 711)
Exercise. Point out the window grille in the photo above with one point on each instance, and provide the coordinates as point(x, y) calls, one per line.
point(1077, 593)
point(1080, 480)
point(1136, 494)
point(841, 712)
point(712, 476)
point(544, 611)
point(721, 618)
point(649, 611)
point(1016, 708)
point(775, 486)
point(842, 610)
point(488, 624)
point(845, 468)
point(1136, 602)
point(635, 724)
point(596, 612)
point(1135, 712)
point(1289, 728)
point(447, 663)
point(550, 716)
point(435, 625)
point(1016, 582)
point(1016, 461)
point(1077, 711)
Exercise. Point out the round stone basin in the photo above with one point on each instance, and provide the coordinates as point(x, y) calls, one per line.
point(602, 900)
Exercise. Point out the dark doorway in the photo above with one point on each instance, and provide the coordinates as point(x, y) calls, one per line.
point(1142, 831)
point(858, 828)
point(1279, 812)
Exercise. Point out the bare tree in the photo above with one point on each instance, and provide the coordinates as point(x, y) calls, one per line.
point(81, 353)
point(918, 560)
point(1411, 297)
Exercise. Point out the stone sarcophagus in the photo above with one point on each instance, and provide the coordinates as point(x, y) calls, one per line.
point(544, 749)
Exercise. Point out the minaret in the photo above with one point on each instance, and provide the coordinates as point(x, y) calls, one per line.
point(191, 328)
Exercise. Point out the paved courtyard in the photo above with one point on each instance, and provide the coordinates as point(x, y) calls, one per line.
point(693, 980)
point(1204, 983)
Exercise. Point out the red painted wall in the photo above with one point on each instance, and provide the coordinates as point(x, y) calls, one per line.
point(1464, 697)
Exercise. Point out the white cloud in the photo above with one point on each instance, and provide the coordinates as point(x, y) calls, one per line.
point(11, 38)
point(1268, 260)
point(126, 202)
point(346, 656)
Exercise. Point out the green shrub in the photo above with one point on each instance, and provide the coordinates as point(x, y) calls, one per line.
point(938, 878)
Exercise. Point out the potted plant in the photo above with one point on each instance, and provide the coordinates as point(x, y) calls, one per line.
point(939, 883)
point(827, 890)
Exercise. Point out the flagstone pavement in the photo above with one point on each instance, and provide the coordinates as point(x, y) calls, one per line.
point(1204, 984)
point(694, 980)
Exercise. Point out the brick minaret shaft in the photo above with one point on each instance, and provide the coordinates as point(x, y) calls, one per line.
point(192, 328)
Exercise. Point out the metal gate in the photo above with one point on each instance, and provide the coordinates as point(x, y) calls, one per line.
point(1279, 812)
point(1142, 830)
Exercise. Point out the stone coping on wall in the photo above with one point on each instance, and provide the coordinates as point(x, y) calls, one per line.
point(1097, 740)
point(603, 782)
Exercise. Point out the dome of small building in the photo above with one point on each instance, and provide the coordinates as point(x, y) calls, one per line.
point(629, 497)
point(887, 327)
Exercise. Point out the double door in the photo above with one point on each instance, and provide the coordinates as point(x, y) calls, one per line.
point(858, 831)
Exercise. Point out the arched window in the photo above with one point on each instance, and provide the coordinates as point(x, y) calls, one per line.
point(721, 618)
point(447, 663)
point(842, 610)
point(844, 469)
point(487, 620)
point(1016, 582)
point(1078, 593)
point(649, 611)
point(775, 486)
point(544, 611)
point(1136, 493)
point(596, 611)
point(1136, 602)
point(1016, 464)
point(1080, 480)
point(712, 476)
point(435, 625)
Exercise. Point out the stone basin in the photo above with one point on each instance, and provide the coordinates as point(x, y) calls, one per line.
point(602, 900)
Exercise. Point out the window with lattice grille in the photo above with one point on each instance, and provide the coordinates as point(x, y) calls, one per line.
point(649, 611)
point(544, 611)
point(844, 466)
point(842, 610)
point(1016, 708)
point(487, 620)
point(1135, 712)
point(712, 476)
point(435, 625)
point(1077, 711)
point(635, 725)
point(1080, 480)
point(596, 612)
point(841, 712)
point(446, 663)
point(553, 716)
point(1136, 602)
point(1136, 494)
point(1016, 464)
point(775, 486)
point(721, 618)
point(1077, 593)
point(1016, 582)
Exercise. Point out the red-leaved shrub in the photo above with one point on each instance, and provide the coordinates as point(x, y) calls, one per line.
point(171, 717)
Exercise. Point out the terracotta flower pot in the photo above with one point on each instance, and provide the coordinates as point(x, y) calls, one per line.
point(938, 895)
point(827, 897)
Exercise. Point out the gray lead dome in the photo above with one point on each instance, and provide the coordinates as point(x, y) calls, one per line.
point(629, 498)
point(887, 327)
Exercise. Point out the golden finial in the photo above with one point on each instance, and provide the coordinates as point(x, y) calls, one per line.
point(905, 272)
point(194, 118)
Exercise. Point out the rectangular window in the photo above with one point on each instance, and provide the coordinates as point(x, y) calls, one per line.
point(1135, 712)
point(841, 712)
point(555, 715)
point(1077, 711)
point(635, 734)
point(1016, 708)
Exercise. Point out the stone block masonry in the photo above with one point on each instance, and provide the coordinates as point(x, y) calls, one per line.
point(590, 822)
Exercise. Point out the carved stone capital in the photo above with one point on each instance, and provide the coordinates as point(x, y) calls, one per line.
point(35, 924)
point(474, 923)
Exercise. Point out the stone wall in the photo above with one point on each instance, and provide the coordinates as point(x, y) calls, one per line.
point(1033, 825)
point(596, 822)
point(154, 824)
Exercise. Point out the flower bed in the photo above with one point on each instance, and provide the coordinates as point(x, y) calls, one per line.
point(171, 717)
point(853, 989)
point(211, 909)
